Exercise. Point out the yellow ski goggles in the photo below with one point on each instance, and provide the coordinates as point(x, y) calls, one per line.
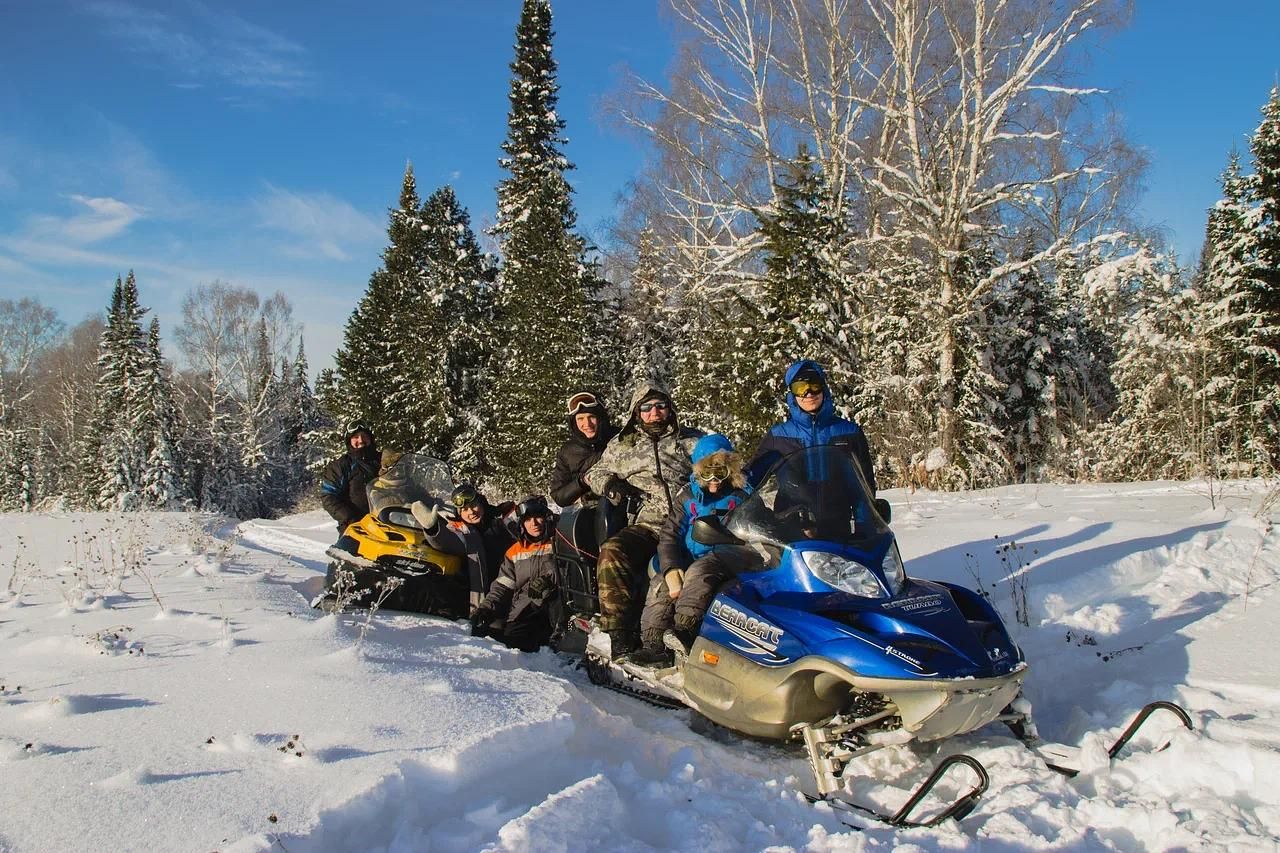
point(806, 387)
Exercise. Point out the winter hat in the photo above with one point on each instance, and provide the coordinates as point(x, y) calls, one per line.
point(709, 444)
point(534, 505)
point(389, 474)
point(464, 494)
point(809, 374)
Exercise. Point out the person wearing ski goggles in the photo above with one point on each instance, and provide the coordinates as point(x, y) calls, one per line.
point(811, 421)
point(641, 472)
point(691, 572)
point(589, 434)
point(468, 525)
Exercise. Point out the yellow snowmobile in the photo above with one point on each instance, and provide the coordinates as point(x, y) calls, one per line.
point(385, 559)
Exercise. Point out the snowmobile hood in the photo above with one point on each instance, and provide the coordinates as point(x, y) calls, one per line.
point(927, 630)
point(827, 412)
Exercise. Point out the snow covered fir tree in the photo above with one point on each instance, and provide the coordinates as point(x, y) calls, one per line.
point(548, 340)
point(418, 348)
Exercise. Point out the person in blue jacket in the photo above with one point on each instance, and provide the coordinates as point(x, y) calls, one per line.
point(690, 572)
point(811, 421)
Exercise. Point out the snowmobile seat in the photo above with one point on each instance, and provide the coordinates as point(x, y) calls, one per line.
point(576, 548)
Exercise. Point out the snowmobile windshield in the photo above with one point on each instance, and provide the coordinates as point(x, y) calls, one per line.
point(813, 494)
point(414, 477)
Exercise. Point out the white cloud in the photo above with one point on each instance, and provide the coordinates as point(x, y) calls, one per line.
point(106, 217)
point(325, 226)
point(212, 44)
point(98, 219)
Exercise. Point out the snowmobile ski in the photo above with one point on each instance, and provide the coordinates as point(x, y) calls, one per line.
point(1065, 759)
point(957, 810)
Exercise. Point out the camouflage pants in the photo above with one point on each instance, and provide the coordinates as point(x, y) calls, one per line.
point(621, 575)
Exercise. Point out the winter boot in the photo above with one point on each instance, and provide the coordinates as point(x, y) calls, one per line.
point(622, 641)
point(652, 652)
point(680, 638)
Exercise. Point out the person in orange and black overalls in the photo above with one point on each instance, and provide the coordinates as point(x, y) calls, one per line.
point(521, 597)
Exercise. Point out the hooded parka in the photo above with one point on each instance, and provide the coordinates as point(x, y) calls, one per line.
point(802, 429)
point(654, 465)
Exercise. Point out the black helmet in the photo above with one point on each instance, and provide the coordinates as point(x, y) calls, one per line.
point(354, 427)
point(465, 494)
point(530, 507)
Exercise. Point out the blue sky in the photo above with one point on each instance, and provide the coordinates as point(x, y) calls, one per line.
point(261, 143)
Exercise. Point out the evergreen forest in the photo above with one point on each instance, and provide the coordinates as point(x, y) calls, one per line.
point(928, 207)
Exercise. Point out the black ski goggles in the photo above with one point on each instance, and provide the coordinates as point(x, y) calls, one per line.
point(583, 401)
point(654, 404)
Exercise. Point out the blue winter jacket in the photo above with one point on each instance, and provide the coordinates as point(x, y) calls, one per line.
point(802, 429)
point(676, 548)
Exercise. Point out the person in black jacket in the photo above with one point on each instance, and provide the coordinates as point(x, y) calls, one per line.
point(344, 481)
point(474, 528)
point(589, 432)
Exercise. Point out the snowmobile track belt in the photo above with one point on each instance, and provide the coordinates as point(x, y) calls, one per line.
point(601, 678)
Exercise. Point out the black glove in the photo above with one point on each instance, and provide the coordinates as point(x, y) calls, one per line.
point(617, 490)
point(480, 619)
point(540, 586)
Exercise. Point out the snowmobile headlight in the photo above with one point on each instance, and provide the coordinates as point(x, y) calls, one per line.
point(894, 572)
point(843, 573)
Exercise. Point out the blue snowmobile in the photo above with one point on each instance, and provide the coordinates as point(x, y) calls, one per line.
point(827, 641)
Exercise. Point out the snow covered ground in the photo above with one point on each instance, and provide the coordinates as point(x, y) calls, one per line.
point(164, 686)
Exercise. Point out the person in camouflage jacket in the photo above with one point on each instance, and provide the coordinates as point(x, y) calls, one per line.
point(644, 467)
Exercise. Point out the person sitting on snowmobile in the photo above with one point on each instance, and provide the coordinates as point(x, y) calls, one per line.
point(811, 421)
point(646, 462)
point(473, 527)
point(589, 433)
point(692, 572)
point(344, 481)
point(519, 602)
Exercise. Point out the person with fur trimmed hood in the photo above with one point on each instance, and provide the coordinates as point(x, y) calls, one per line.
point(344, 481)
point(647, 461)
point(589, 434)
point(519, 601)
point(811, 421)
point(691, 572)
